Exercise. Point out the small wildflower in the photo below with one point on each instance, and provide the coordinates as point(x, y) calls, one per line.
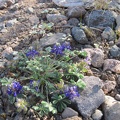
point(32, 53)
point(58, 49)
point(35, 84)
point(88, 60)
point(72, 92)
point(21, 104)
point(14, 89)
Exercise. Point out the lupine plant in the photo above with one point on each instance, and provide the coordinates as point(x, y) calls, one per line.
point(46, 81)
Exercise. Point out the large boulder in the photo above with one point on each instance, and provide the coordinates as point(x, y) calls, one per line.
point(111, 109)
point(90, 98)
point(100, 18)
point(50, 40)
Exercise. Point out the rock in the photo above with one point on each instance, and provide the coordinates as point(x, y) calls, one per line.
point(90, 98)
point(18, 117)
point(73, 118)
point(97, 115)
point(111, 109)
point(112, 65)
point(108, 86)
point(118, 80)
point(72, 3)
point(100, 19)
point(118, 20)
point(10, 23)
point(69, 112)
point(50, 40)
point(2, 65)
point(34, 19)
point(30, 10)
point(96, 55)
point(76, 12)
point(115, 51)
point(10, 2)
point(2, 26)
point(7, 51)
point(79, 35)
point(73, 21)
point(117, 97)
point(56, 18)
point(3, 4)
point(109, 34)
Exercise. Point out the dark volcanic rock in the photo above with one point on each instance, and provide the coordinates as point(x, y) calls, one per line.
point(100, 18)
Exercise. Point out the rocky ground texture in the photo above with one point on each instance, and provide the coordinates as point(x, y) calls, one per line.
point(93, 26)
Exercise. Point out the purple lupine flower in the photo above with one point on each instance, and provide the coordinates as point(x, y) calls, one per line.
point(59, 48)
point(32, 53)
point(35, 84)
point(66, 45)
point(14, 89)
point(72, 92)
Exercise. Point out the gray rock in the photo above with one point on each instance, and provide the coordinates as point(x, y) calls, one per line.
point(76, 12)
point(3, 4)
point(72, 3)
point(30, 10)
point(117, 97)
point(112, 65)
point(118, 20)
point(50, 40)
point(96, 55)
point(109, 86)
point(18, 117)
point(97, 115)
point(2, 65)
point(73, 21)
point(111, 109)
point(115, 51)
point(10, 2)
point(2, 26)
point(34, 20)
point(10, 23)
point(109, 34)
point(118, 80)
point(73, 118)
point(100, 18)
point(9, 56)
point(90, 98)
point(69, 112)
point(79, 35)
point(56, 18)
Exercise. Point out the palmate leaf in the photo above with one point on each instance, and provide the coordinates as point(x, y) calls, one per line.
point(33, 91)
point(6, 81)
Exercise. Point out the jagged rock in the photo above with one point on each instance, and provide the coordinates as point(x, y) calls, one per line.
point(111, 109)
point(112, 65)
point(90, 98)
point(100, 19)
